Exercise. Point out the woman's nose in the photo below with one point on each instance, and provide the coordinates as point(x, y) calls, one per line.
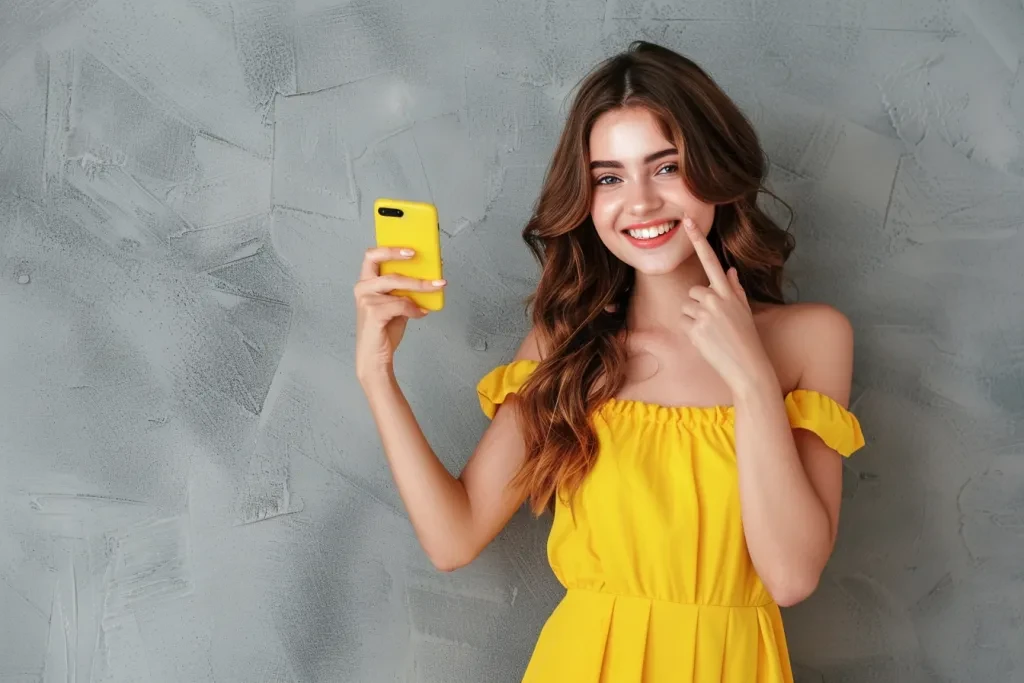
point(643, 198)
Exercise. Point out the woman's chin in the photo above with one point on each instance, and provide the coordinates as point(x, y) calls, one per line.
point(660, 261)
point(654, 267)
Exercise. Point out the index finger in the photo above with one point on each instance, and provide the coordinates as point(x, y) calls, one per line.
point(708, 258)
point(377, 255)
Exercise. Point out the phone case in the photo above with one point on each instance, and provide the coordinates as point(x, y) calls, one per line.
point(416, 229)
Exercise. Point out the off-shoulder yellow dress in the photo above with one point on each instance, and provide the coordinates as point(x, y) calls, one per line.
point(660, 587)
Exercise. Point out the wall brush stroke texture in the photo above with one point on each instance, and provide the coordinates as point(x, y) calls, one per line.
point(191, 487)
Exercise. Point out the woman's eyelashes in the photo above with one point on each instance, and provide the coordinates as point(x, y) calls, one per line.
point(666, 169)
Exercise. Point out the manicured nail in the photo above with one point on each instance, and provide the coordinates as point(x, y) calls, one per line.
point(439, 283)
point(424, 311)
point(688, 224)
point(407, 252)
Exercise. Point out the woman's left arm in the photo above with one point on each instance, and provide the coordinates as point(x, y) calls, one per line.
point(790, 481)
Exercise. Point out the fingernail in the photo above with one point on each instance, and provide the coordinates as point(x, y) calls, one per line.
point(424, 311)
point(439, 283)
point(688, 224)
point(406, 252)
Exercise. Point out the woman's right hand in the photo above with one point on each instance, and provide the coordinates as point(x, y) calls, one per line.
point(381, 317)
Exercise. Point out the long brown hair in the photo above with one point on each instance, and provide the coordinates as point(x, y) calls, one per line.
point(581, 300)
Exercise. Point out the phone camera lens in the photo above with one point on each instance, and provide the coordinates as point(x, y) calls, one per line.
point(387, 211)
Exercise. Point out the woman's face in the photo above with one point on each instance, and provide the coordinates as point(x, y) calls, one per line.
point(640, 198)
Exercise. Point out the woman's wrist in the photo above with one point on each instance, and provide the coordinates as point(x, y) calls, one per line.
point(759, 384)
point(377, 378)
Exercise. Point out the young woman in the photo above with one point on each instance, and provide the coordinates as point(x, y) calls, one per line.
point(684, 423)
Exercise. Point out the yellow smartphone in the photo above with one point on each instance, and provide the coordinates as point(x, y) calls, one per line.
point(403, 223)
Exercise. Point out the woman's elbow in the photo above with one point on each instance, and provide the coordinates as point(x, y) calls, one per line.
point(794, 589)
point(447, 564)
point(450, 559)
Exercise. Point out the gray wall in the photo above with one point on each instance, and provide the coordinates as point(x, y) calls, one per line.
point(191, 488)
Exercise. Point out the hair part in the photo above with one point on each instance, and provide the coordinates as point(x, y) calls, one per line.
point(580, 304)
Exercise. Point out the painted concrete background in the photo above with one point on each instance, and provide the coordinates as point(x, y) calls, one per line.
point(191, 488)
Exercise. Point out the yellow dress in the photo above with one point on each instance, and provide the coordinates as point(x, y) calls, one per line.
point(659, 585)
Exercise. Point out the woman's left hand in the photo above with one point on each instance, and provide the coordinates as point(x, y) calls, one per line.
point(720, 324)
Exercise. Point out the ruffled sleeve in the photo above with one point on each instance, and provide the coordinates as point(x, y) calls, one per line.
point(816, 412)
point(503, 380)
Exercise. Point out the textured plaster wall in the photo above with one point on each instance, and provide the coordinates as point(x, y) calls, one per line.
point(191, 488)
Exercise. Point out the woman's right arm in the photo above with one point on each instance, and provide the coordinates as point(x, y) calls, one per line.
point(454, 517)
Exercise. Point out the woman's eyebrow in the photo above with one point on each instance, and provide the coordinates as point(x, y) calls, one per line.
point(647, 159)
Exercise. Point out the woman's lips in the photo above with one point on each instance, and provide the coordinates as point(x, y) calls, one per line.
point(653, 242)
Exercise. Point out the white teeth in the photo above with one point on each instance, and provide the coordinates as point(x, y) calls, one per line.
point(649, 233)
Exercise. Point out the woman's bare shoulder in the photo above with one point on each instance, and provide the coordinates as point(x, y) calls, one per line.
point(801, 319)
point(802, 338)
point(532, 347)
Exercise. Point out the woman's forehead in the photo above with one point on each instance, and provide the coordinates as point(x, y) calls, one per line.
point(627, 135)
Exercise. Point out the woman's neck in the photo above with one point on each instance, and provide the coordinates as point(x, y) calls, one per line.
point(656, 299)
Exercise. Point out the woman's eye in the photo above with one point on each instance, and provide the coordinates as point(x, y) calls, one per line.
point(669, 168)
point(606, 180)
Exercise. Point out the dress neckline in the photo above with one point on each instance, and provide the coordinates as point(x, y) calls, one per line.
point(687, 414)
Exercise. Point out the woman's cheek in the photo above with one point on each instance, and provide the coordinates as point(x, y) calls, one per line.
point(603, 213)
point(598, 213)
